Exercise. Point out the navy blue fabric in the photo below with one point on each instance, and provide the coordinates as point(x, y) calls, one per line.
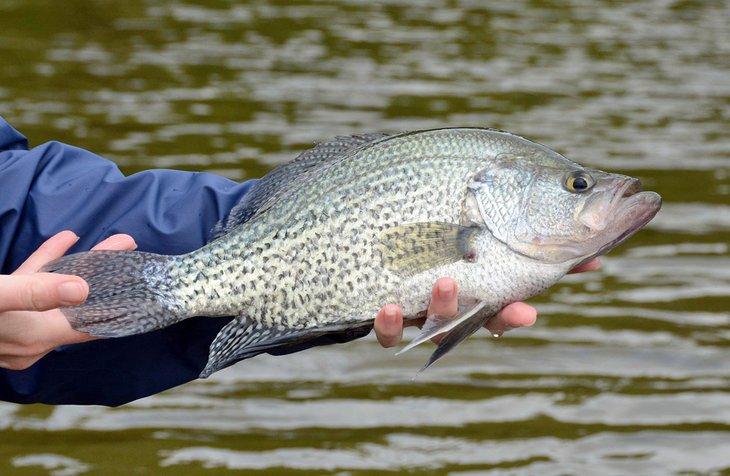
point(55, 187)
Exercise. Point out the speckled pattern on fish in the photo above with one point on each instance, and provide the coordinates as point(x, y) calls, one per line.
point(321, 244)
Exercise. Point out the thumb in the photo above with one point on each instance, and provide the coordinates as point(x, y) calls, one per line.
point(40, 291)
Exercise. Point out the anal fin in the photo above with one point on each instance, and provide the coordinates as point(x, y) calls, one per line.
point(243, 338)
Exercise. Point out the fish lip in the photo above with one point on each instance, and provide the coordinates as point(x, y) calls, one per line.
point(642, 216)
point(631, 203)
point(631, 188)
point(628, 187)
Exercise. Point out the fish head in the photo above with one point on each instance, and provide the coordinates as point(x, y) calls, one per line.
point(543, 206)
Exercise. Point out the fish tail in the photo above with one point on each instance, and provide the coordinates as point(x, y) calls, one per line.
point(128, 293)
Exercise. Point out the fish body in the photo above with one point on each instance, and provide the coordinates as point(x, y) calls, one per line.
point(320, 244)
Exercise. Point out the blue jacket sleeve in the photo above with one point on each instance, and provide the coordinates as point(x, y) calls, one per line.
point(54, 187)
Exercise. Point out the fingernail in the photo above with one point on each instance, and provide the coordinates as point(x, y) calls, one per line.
point(75, 236)
point(446, 290)
point(120, 243)
point(390, 312)
point(72, 292)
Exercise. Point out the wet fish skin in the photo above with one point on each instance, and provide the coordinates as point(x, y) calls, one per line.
point(322, 243)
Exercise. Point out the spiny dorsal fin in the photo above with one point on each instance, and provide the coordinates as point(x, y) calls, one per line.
point(287, 176)
point(415, 247)
point(326, 151)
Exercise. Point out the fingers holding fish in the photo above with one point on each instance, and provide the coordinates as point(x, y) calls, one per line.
point(444, 298)
point(389, 325)
point(591, 265)
point(445, 302)
point(389, 321)
point(27, 333)
point(517, 314)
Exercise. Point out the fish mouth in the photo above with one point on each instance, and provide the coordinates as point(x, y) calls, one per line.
point(632, 208)
point(610, 213)
point(632, 187)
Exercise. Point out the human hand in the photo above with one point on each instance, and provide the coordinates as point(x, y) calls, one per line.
point(444, 301)
point(30, 323)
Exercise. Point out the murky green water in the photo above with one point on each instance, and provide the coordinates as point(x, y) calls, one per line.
point(628, 368)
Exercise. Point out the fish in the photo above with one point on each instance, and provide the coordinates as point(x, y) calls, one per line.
point(321, 243)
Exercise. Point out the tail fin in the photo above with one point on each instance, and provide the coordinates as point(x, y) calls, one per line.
point(129, 292)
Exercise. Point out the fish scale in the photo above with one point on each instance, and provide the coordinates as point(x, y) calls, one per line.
point(320, 244)
point(298, 239)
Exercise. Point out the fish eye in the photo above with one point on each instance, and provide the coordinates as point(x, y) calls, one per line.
point(578, 182)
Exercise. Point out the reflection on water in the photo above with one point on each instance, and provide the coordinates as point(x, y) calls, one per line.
point(626, 371)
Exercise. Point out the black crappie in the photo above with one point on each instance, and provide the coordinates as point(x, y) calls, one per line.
point(320, 244)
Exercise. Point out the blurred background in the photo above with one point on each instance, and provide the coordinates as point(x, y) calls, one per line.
point(626, 371)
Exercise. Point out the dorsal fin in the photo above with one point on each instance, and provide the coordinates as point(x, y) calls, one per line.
point(267, 189)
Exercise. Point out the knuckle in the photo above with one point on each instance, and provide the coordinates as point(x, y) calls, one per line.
point(36, 296)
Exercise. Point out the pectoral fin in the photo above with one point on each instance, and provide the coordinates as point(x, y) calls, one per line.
point(437, 325)
point(415, 247)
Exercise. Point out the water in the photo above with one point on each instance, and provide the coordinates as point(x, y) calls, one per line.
point(626, 371)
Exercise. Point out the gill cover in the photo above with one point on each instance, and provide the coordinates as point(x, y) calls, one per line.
point(526, 206)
